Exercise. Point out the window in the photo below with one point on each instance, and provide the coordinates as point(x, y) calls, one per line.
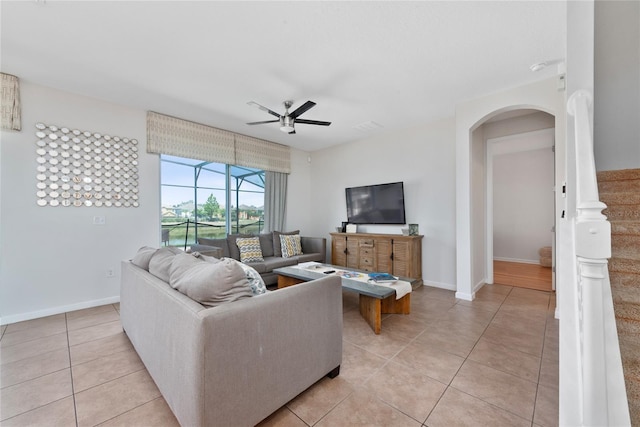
point(195, 196)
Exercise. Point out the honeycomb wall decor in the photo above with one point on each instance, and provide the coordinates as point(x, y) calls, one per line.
point(82, 168)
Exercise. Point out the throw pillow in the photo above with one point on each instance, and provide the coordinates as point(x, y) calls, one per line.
point(249, 248)
point(161, 261)
point(210, 283)
point(142, 258)
point(290, 245)
point(255, 280)
point(277, 247)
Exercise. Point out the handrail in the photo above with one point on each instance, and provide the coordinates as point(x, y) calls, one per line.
point(601, 392)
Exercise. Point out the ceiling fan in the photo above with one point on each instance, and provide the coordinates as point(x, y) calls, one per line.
point(288, 120)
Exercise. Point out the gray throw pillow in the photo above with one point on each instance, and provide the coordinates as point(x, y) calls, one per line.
point(209, 283)
point(161, 261)
point(277, 249)
point(142, 258)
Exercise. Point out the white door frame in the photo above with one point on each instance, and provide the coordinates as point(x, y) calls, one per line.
point(497, 146)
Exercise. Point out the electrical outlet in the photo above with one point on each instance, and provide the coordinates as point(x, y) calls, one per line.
point(110, 273)
point(99, 220)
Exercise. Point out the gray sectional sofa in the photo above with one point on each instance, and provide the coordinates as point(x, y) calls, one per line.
point(313, 249)
point(236, 363)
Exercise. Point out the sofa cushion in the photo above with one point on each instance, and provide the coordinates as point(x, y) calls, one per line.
point(143, 256)
point(234, 252)
point(309, 257)
point(249, 248)
point(161, 261)
point(277, 249)
point(255, 280)
point(209, 283)
point(290, 245)
point(260, 267)
point(276, 262)
point(266, 244)
point(221, 243)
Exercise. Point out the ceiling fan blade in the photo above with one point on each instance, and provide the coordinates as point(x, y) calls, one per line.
point(301, 109)
point(312, 122)
point(255, 104)
point(263, 122)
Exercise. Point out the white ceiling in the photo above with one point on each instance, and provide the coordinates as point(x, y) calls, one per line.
point(398, 64)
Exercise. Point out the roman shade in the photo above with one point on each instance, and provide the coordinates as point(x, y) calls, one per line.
point(11, 119)
point(183, 138)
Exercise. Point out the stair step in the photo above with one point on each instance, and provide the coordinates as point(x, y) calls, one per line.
point(625, 246)
point(622, 212)
point(618, 175)
point(623, 265)
point(620, 198)
point(631, 228)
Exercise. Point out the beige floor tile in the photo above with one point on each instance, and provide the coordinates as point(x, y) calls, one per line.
point(507, 360)
point(526, 343)
point(550, 373)
point(385, 344)
point(23, 397)
point(406, 389)
point(58, 413)
point(551, 348)
point(358, 364)
point(92, 320)
point(471, 313)
point(404, 326)
point(106, 401)
point(73, 315)
point(33, 348)
point(104, 369)
point(320, 398)
point(498, 388)
point(91, 350)
point(2, 329)
point(117, 306)
point(363, 409)
point(440, 294)
point(546, 412)
point(155, 413)
point(458, 409)
point(94, 332)
point(494, 289)
point(425, 359)
point(33, 367)
point(35, 323)
point(438, 338)
point(33, 333)
point(525, 312)
point(282, 418)
point(518, 324)
point(487, 303)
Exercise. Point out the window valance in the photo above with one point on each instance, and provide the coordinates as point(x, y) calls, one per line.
point(11, 113)
point(182, 138)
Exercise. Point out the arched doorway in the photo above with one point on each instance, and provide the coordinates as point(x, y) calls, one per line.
point(471, 257)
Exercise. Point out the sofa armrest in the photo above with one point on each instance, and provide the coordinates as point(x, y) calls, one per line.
point(312, 245)
point(263, 351)
point(213, 251)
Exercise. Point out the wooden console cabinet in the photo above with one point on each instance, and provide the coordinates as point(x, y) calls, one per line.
point(385, 253)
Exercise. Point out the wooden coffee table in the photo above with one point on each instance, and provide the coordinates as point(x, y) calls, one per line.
point(374, 300)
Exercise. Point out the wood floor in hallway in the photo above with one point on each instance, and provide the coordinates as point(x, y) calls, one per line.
point(521, 275)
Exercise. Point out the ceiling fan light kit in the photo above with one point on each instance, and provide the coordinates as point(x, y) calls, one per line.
point(288, 120)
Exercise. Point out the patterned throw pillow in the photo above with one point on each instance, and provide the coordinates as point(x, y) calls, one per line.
point(255, 280)
point(249, 248)
point(290, 245)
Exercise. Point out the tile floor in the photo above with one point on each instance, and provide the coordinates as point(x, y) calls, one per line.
point(493, 361)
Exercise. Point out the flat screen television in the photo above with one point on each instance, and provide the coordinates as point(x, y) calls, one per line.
point(376, 204)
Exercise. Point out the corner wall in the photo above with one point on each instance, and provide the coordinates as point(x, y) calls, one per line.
point(53, 259)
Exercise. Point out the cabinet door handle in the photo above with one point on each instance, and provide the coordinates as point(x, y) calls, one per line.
point(346, 251)
point(391, 256)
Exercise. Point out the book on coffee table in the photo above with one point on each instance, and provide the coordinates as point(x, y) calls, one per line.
point(382, 277)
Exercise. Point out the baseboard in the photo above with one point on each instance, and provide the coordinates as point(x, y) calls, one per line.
point(523, 261)
point(5, 320)
point(447, 286)
point(465, 296)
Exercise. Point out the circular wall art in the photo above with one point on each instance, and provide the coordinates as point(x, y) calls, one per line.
point(94, 149)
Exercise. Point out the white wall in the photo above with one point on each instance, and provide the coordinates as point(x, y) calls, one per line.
point(52, 259)
point(478, 203)
point(522, 204)
point(616, 128)
point(298, 194)
point(421, 157)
